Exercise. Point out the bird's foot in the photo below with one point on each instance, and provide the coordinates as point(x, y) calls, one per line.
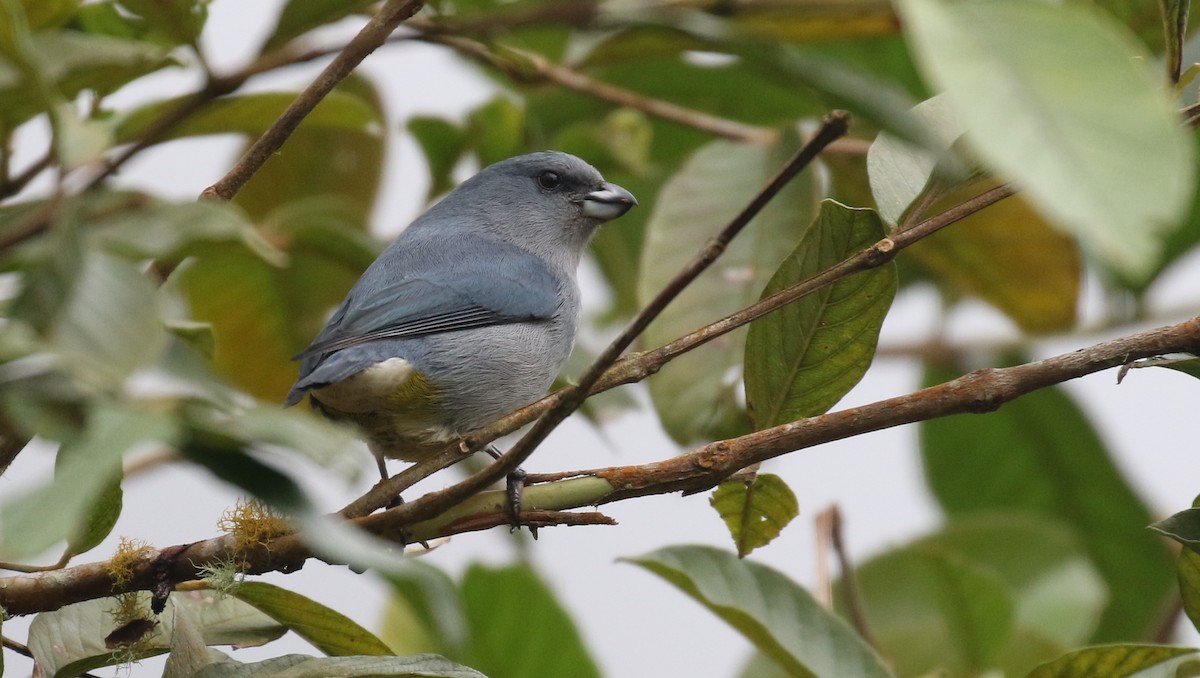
point(514, 486)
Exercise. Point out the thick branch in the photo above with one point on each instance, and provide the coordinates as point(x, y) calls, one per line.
point(377, 30)
point(635, 367)
point(979, 391)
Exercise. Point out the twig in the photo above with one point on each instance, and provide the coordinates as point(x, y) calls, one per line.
point(431, 504)
point(525, 66)
point(15, 184)
point(848, 583)
point(391, 15)
point(979, 391)
point(23, 649)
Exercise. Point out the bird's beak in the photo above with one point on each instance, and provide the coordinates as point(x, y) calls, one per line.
point(610, 202)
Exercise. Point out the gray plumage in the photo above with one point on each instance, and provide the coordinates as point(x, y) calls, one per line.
point(469, 314)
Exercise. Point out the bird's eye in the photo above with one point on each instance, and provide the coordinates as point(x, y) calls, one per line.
point(549, 180)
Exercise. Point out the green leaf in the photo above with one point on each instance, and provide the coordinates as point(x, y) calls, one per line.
point(900, 171)
point(1183, 527)
point(443, 144)
point(929, 608)
point(1040, 454)
point(425, 612)
point(1187, 566)
point(329, 631)
point(261, 314)
point(109, 324)
point(208, 443)
point(176, 22)
point(1062, 102)
point(1111, 661)
point(48, 13)
point(1010, 257)
point(301, 666)
point(697, 395)
point(494, 130)
point(98, 519)
point(518, 629)
point(73, 62)
point(70, 640)
point(1058, 593)
point(37, 518)
point(755, 512)
point(301, 16)
point(803, 358)
point(188, 653)
point(775, 614)
point(349, 173)
point(250, 114)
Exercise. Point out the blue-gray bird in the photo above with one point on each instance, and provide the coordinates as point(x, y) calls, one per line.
point(469, 314)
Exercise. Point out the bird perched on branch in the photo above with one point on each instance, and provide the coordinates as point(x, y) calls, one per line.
point(469, 314)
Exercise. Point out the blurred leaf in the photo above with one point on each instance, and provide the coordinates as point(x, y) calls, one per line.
point(198, 336)
point(518, 629)
point(425, 612)
point(1145, 19)
point(176, 22)
point(80, 140)
point(291, 665)
point(148, 229)
point(1009, 256)
point(1004, 65)
point(99, 518)
point(262, 315)
point(778, 616)
point(756, 511)
point(251, 114)
point(1111, 661)
point(73, 62)
point(328, 630)
point(344, 164)
point(35, 518)
point(814, 22)
point(929, 609)
point(208, 443)
point(443, 144)
point(494, 130)
point(1182, 240)
point(48, 13)
point(900, 171)
point(1040, 454)
point(70, 640)
point(1058, 593)
point(698, 394)
point(301, 16)
point(803, 358)
point(108, 325)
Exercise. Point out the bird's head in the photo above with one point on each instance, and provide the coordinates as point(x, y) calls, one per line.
point(549, 203)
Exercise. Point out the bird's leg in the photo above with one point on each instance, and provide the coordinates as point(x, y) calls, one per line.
point(397, 500)
point(514, 485)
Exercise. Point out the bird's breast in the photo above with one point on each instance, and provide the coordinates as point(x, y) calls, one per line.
point(390, 385)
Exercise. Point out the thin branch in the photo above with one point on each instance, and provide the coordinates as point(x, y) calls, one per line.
point(848, 582)
point(834, 126)
point(377, 30)
point(14, 185)
point(980, 391)
point(530, 67)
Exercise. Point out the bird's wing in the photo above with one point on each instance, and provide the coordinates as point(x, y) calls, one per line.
point(463, 294)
